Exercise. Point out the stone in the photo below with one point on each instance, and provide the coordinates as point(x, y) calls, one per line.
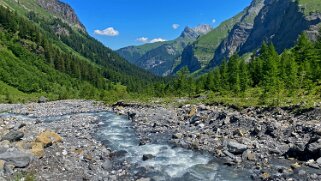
point(319, 161)
point(2, 162)
point(295, 165)
point(238, 132)
point(17, 158)
point(265, 176)
point(48, 138)
point(177, 136)
point(235, 147)
point(21, 125)
point(38, 150)
point(42, 99)
point(144, 179)
point(13, 136)
point(315, 146)
point(249, 155)
point(148, 157)
point(192, 112)
point(107, 165)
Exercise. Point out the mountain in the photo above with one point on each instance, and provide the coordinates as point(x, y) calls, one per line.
point(45, 49)
point(276, 21)
point(162, 57)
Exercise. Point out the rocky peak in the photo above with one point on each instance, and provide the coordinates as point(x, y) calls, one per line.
point(63, 11)
point(193, 33)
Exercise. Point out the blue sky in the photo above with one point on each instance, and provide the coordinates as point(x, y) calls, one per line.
point(135, 22)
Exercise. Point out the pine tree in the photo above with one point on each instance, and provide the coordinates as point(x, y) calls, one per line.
point(244, 76)
point(233, 73)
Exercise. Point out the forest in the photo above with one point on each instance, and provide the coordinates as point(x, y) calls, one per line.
point(267, 78)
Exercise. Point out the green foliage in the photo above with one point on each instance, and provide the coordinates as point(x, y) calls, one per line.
point(267, 79)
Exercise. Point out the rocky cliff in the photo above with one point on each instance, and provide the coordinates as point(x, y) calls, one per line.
point(63, 11)
point(162, 57)
point(276, 21)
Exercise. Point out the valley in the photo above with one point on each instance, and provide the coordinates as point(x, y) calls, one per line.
point(239, 100)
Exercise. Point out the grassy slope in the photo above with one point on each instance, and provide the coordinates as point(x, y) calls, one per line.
point(310, 6)
point(205, 46)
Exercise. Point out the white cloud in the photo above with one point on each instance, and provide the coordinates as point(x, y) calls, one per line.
point(157, 40)
point(175, 26)
point(107, 32)
point(213, 21)
point(142, 39)
point(146, 40)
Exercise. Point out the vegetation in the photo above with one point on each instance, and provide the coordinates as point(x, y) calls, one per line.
point(37, 59)
point(267, 79)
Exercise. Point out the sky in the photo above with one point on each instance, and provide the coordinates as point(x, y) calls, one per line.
point(121, 23)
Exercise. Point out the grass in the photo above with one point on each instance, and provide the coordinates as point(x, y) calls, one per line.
point(206, 45)
point(310, 6)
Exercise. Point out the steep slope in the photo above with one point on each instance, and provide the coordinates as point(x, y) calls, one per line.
point(276, 21)
point(161, 58)
point(200, 53)
point(46, 37)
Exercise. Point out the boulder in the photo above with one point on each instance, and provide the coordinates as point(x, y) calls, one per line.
point(235, 147)
point(17, 158)
point(48, 138)
point(13, 136)
point(177, 136)
point(38, 150)
point(107, 165)
point(2, 162)
point(148, 157)
point(319, 161)
point(248, 155)
point(315, 146)
point(42, 99)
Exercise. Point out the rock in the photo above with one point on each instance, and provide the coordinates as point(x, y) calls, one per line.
point(177, 136)
point(249, 155)
point(148, 157)
point(144, 179)
point(48, 138)
point(13, 136)
point(21, 125)
point(295, 165)
point(38, 149)
point(238, 132)
point(192, 112)
point(319, 161)
point(42, 99)
point(235, 147)
point(315, 146)
point(234, 119)
point(107, 165)
point(265, 176)
point(2, 162)
point(17, 158)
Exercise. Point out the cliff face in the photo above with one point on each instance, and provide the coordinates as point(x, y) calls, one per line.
point(276, 21)
point(63, 11)
point(162, 57)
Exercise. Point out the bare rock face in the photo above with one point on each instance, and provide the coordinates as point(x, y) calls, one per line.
point(276, 21)
point(64, 11)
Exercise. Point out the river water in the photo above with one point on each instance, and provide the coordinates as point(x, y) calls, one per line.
point(169, 162)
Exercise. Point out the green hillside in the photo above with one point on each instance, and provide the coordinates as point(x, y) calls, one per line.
point(43, 55)
point(310, 6)
point(206, 45)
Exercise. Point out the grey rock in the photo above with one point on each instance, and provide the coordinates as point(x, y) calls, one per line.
point(235, 147)
point(13, 136)
point(17, 158)
point(177, 136)
point(248, 155)
point(148, 157)
point(107, 165)
point(319, 161)
point(42, 99)
point(315, 146)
